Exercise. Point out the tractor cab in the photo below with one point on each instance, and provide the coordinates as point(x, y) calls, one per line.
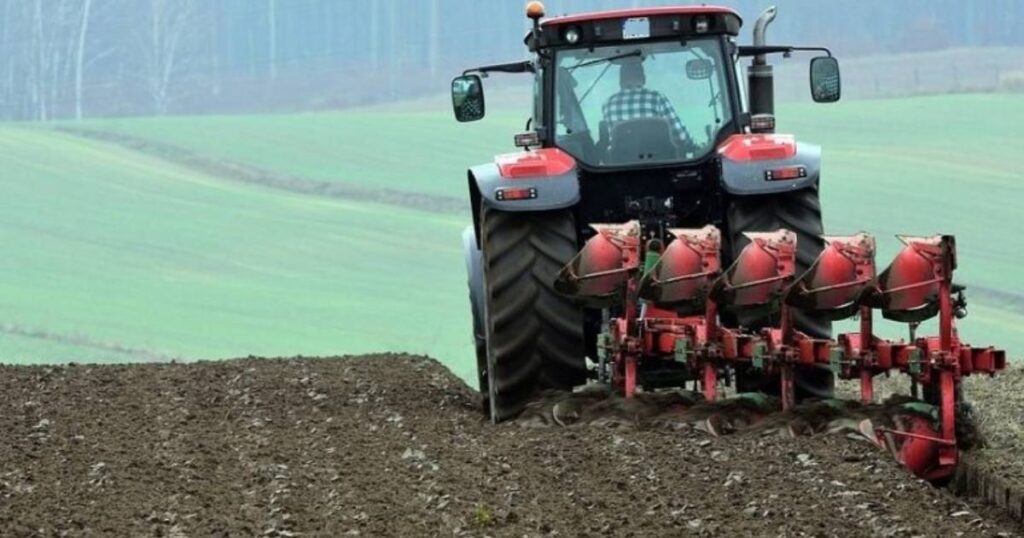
point(642, 87)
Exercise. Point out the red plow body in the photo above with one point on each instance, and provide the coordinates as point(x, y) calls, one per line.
point(668, 301)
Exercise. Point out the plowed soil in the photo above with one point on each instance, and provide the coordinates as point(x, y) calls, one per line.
point(394, 446)
point(999, 412)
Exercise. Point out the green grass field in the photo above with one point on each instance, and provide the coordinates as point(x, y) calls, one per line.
point(418, 151)
point(124, 250)
point(111, 254)
point(919, 165)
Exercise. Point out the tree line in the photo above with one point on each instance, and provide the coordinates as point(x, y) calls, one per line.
point(65, 59)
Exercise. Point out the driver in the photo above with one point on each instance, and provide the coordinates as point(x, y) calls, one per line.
point(634, 102)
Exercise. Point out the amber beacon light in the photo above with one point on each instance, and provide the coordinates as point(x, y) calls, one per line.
point(535, 10)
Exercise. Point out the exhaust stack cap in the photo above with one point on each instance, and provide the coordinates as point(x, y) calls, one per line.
point(760, 29)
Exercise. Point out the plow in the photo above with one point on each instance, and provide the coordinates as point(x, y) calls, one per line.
point(670, 298)
point(654, 230)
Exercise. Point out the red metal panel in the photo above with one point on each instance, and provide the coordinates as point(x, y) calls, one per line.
point(605, 264)
point(867, 386)
point(543, 162)
point(762, 271)
point(710, 382)
point(685, 269)
point(919, 453)
point(835, 282)
point(730, 347)
point(851, 344)
point(666, 343)
point(965, 360)
point(883, 361)
point(758, 147)
point(806, 347)
point(947, 392)
point(987, 360)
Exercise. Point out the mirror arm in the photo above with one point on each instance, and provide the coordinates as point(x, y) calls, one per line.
point(813, 49)
point(515, 67)
point(747, 51)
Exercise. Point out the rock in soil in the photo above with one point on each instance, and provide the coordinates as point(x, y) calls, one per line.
point(393, 445)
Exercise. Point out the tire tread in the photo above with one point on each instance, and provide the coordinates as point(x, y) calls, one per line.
point(534, 335)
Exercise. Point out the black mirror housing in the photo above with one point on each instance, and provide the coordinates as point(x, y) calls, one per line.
point(826, 86)
point(468, 98)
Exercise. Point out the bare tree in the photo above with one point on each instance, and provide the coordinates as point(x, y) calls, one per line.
point(73, 58)
point(434, 53)
point(374, 36)
point(163, 47)
point(272, 36)
point(394, 60)
point(83, 30)
point(8, 62)
point(48, 54)
point(38, 65)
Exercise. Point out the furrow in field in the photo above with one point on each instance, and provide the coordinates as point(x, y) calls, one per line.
point(86, 341)
point(1005, 300)
point(248, 174)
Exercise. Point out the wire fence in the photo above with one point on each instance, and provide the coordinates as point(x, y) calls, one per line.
point(949, 71)
point(314, 87)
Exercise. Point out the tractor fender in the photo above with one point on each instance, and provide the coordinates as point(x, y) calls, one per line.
point(538, 180)
point(751, 164)
point(475, 275)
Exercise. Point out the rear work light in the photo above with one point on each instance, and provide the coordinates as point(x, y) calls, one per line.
point(700, 24)
point(782, 174)
point(510, 194)
point(572, 35)
point(527, 139)
point(762, 123)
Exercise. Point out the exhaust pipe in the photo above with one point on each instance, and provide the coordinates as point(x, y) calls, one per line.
point(760, 79)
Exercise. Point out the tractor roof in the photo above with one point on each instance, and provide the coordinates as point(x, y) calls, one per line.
point(606, 27)
point(639, 13)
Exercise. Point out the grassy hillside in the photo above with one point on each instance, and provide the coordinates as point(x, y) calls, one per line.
point(113, 254)
point(932, 165)
point(916, 166)
point(424, 151)
point(109, 254)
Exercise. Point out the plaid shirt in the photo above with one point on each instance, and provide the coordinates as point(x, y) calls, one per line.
point(640, 103)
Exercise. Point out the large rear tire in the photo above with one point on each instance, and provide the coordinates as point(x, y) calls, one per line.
point(474, 274)
point(480, 347)
point(534, 336)
point(800, 212)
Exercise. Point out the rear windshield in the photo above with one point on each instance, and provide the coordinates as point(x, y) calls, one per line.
point(641, 103)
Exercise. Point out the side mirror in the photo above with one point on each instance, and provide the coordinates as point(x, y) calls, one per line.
point(825, 82)
point(468, 98)
point(699, 69)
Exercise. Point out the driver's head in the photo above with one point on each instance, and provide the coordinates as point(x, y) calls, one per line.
point(631, 74)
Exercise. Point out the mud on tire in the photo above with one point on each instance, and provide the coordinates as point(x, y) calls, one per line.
point(534, 335)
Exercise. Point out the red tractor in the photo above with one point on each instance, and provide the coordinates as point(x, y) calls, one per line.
point(710, 260)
